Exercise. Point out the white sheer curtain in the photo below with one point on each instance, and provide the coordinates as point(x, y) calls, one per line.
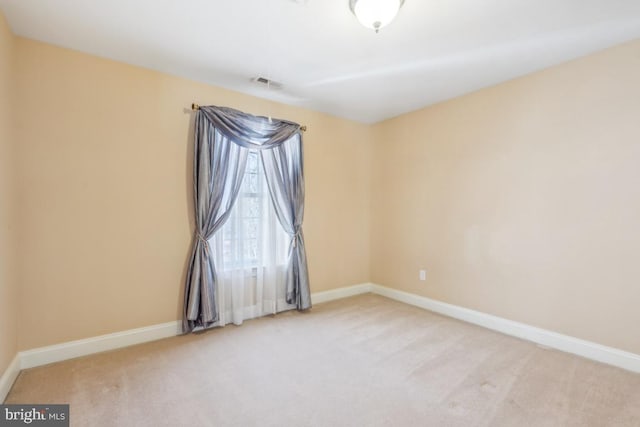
point(250, 253)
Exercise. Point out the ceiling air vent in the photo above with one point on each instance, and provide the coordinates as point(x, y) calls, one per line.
point(263, 81)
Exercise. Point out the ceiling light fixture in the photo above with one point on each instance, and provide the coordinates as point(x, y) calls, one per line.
point(375, 14)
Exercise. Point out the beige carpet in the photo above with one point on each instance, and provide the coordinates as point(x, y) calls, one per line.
point(361, 361)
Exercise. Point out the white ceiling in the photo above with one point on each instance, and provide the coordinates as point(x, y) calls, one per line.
point(433, 51)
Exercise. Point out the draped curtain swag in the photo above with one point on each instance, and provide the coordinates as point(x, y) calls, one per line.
point(222, 139)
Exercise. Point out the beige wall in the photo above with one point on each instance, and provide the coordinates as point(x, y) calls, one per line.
point(521, 200)
point(105, 184)
point(8, 278)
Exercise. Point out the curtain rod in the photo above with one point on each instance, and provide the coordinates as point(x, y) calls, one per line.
point(197, 107)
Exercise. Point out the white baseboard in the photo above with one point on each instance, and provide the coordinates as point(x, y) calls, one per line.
point(69, 350)
point(9, 377)
point(568, 344)
point(347, 291)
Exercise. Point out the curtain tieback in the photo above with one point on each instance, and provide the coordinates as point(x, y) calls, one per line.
point(201, 238)
point(295, 238)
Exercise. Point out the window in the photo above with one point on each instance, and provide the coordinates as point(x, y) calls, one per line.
point(252, 236)
point(257, 268)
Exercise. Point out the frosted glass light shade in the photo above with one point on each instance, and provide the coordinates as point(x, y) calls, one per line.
point(375, 14)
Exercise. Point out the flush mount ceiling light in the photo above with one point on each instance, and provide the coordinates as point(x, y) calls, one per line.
point(375, 14)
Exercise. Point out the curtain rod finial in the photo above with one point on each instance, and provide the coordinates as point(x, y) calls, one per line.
point(195, 106)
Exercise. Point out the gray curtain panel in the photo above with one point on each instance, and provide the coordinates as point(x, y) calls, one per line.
point(222, 139)
point(218, 169)
point(283, 168)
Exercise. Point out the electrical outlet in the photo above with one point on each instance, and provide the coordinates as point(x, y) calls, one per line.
point(423, 275)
